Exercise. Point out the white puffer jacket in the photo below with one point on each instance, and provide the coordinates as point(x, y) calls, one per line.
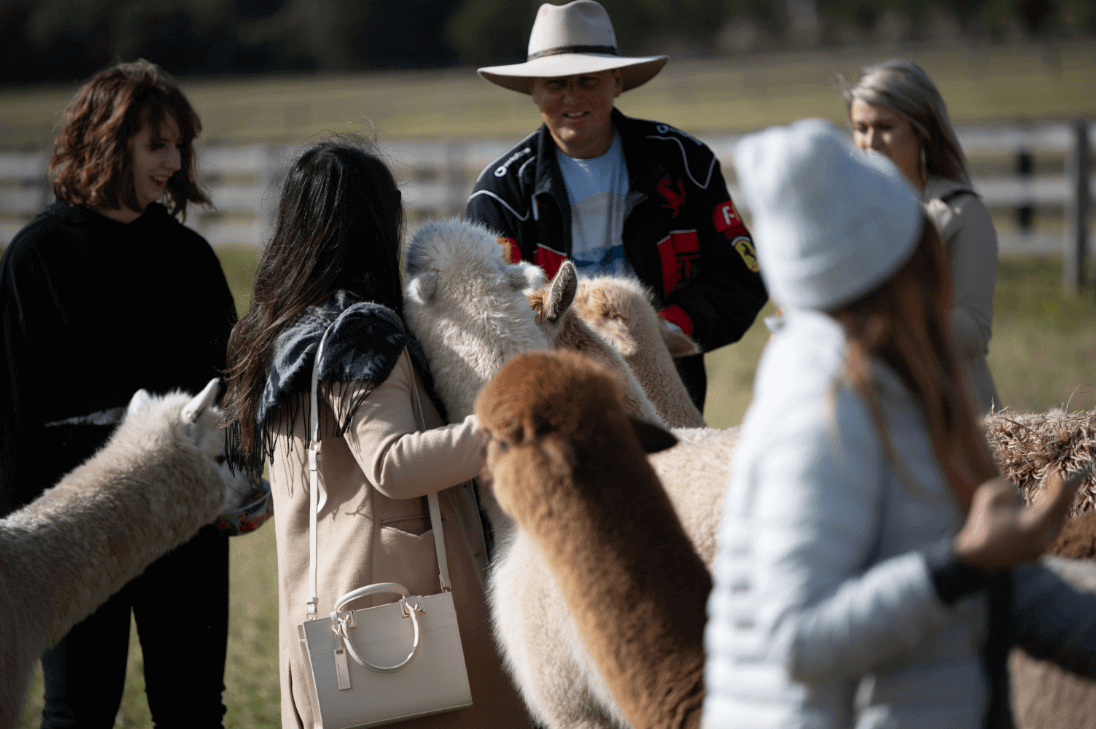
point(824, 612)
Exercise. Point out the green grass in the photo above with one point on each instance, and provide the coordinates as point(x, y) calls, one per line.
point(1042, 355)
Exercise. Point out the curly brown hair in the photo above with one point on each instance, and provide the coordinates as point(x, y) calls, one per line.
point(91, 163)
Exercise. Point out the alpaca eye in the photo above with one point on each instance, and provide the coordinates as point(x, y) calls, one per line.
point(219, 460)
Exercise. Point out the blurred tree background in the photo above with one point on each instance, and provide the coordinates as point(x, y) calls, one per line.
point(66, 40)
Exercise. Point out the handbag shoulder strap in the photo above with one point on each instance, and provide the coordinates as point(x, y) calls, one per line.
point(314, 460)
point(435, 507)
point(315, 503)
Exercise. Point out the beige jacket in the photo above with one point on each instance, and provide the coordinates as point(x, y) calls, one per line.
point(965, 227)
point(375, 527)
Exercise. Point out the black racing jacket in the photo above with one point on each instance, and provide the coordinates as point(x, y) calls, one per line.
point(682, 234)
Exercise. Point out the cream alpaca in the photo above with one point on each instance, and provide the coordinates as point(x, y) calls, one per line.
point(148, 490)
point(622, 311)
point(564, 329)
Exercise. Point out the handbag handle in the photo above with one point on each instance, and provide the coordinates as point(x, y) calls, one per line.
point(342, 622)
point(392, 587)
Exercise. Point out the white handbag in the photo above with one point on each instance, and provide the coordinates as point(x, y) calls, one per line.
point(383, 664)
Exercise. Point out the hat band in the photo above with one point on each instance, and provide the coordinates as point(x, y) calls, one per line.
point(559, 50)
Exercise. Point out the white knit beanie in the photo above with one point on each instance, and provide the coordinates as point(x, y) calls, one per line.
point(830, 222)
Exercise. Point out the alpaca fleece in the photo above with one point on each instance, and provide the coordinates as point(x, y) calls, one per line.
point(148, 490)
point(1029, 447)
point(460, 294)
point(567, 331)
point(567, 466)
point(469, 320)
point(622, 311)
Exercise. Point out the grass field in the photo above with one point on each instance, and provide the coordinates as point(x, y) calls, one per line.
point(980, 82)
point(1043, 355)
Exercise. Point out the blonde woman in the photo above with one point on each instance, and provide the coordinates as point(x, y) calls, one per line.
point(896, 109)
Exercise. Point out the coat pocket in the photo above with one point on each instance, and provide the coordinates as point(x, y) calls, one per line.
point(405, 557)
point(415, 525)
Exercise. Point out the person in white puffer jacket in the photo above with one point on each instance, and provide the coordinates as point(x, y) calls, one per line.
point(873, 568)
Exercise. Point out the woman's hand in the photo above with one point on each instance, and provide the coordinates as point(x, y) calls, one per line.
point(1000, 532)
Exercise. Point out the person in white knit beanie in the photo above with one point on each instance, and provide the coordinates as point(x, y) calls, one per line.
point(868, 545)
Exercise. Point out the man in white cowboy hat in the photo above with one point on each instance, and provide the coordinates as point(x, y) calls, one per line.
point(618, 195)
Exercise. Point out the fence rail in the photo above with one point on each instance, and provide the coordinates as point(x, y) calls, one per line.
point(436, 178)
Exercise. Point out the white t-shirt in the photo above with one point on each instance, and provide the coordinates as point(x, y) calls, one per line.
point(596, 190)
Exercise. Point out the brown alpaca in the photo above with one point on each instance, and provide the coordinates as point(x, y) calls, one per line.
point(567, 466)
point(1030, 446)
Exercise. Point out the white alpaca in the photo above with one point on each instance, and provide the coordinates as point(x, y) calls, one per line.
point(461, 293)
point(622, 311)
point(148, 490)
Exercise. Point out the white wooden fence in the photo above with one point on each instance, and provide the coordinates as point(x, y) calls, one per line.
point(436, 178)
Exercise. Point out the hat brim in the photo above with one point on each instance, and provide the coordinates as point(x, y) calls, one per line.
point(633, 71)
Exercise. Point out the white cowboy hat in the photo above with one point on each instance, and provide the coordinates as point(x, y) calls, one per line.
point(570, 39)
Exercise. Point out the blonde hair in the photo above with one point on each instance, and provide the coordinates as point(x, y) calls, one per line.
point(903, 86)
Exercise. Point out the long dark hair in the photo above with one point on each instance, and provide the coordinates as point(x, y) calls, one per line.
point(339, 225)
point(91, 162)
point(905, 322)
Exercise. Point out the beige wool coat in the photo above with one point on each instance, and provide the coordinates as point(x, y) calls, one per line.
point(966, 228)
point(375, 527)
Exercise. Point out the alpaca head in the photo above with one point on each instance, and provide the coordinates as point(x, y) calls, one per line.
point(567, 331)
point(200, 422)
point(467, 306)
point(563, 404)
point(623, 312)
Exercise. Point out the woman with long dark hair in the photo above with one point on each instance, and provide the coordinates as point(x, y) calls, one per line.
point(333, 261)
point(104, 293)
point(873, 569)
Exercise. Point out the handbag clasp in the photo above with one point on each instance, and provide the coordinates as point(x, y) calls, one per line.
point(414, 602)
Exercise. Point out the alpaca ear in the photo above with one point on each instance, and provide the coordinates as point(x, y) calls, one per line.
point(201, 402)
point(653, 438)
point(138, 401)
point(530, 277)
point(562, 293)
point(423, 287)
point(678, 342)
